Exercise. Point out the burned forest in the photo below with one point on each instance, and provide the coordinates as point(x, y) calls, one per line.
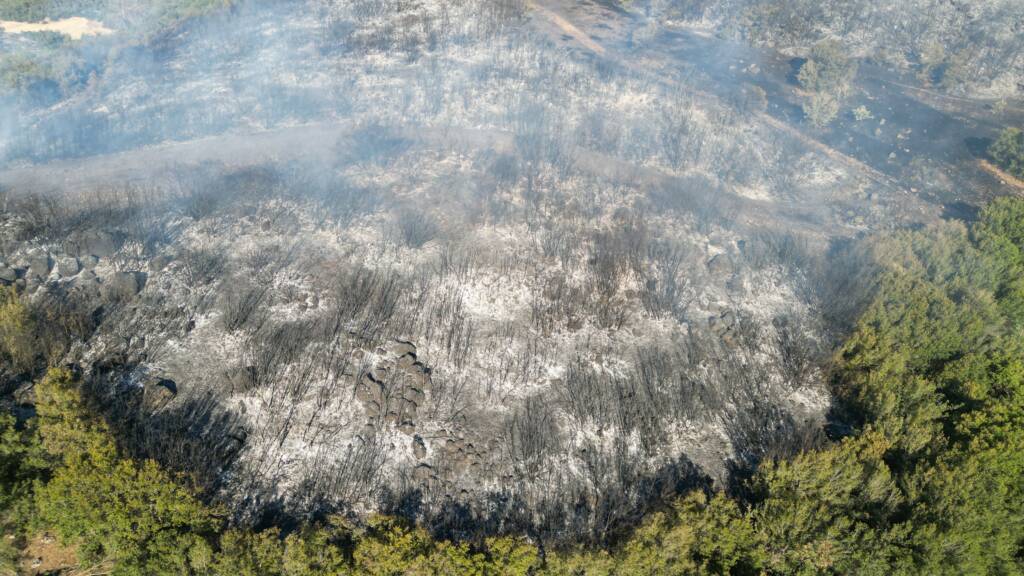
point(512, 278)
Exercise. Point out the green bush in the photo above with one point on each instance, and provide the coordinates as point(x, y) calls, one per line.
point(1008, 151)
point(18, 72)
point(16, 340)
point(827, 75)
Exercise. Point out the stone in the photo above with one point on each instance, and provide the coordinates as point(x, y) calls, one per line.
point(8, 275)
point(415, 395)
point(369, 390)
point(159, 262)
point(423, 472)
point(68, 267)
point(419, 448)
point(240, 378)
point(379, 374)
point(719, 265)
point(38, 264)
point(157, 392)
point(407, 428)
point(91, 243)
point(121, 286)
point(419, 376)
point(399, 348)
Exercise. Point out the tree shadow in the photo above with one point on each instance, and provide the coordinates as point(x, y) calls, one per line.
point(978, 147)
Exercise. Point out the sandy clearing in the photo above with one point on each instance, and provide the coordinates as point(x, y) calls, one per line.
point(1003, 176)
point(568, 28)
point(75, 27)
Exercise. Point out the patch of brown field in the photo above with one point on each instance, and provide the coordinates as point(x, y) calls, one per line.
point(75, 27)
point(568, 28)
point(45, 555)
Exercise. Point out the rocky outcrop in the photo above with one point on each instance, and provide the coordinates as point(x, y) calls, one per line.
point(68, 267)
point(8, 275)
point(122, 286)
point(91, 243)
point(392, 391)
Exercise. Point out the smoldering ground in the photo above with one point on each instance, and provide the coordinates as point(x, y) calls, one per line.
point(430, 258)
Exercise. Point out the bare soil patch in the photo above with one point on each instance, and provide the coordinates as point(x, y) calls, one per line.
point(75, 27)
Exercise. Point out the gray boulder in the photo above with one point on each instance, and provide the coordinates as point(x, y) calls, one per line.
point(38, 263)
point(157, 392)
point(720, 265)
point(121, 286)
point(419, 448)
point(160, 262)
point(91, 243)
point(8, 275)
point(68, 267)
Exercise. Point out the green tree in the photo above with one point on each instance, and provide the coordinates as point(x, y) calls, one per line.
point(315, 551)
point(822, 512)
point(245, 553)
point(15, 330)
point(20, 465)
point(828, 75)
point(134, 517)
point(821, 108)
point(511, 556)
point(1008, 151)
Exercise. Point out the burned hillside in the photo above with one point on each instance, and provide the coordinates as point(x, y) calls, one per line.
point(466, 262)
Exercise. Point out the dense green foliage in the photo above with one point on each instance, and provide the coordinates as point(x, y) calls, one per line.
point(1008, 151)
point(15, 331)
point(930, 482)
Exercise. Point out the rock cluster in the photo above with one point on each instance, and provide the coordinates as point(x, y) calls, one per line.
point(395, 387)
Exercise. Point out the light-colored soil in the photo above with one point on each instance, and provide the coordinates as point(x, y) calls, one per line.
point(44, 555)
point(75, 27)
point(568, 28)
point(1003, 176)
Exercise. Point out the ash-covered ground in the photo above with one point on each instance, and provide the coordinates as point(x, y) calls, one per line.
point(473, 262)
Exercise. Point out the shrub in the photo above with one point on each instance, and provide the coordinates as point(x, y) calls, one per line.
point(821, 109)
point(15, 330)
point(19, 72)
point(827, 74)
point(1008, 151)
